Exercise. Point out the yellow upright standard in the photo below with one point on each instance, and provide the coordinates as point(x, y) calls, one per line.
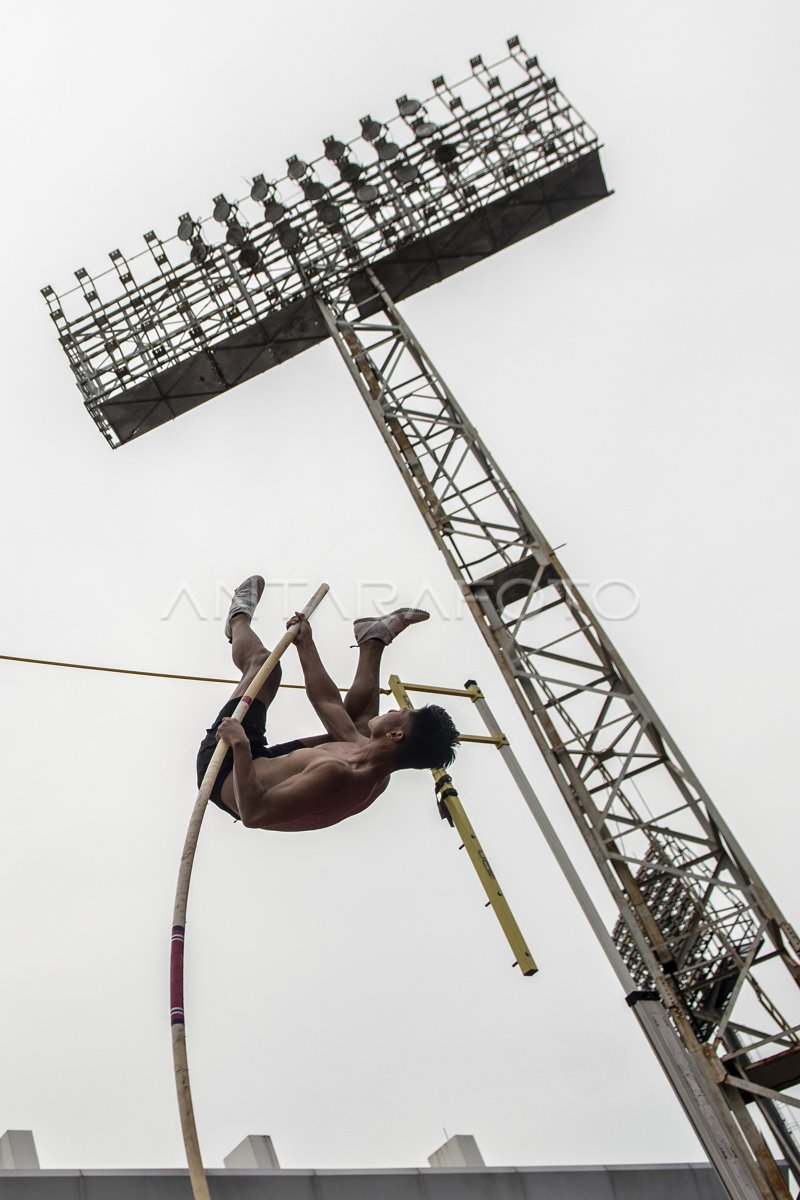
point(451, 807)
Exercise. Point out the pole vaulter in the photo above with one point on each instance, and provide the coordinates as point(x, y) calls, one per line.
point(194, 1158)
point(309, 783)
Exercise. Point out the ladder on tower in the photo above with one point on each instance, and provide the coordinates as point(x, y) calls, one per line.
point(715, 965)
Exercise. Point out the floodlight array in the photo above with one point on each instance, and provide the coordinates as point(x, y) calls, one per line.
point(399, 180)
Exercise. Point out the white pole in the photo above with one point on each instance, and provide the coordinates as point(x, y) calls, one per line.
point(197, 1174)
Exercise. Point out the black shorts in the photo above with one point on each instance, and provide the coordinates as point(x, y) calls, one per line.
point(254, 725)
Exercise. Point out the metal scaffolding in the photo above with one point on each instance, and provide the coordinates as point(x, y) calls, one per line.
point(710, 965)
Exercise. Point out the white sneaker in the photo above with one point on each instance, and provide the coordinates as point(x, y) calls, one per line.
point(245, 599)
point(385, 629)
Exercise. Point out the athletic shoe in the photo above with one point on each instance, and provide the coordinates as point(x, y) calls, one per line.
point(245, 599)
point(385, 629)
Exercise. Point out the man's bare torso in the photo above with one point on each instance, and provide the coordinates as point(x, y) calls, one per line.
point(331, 784)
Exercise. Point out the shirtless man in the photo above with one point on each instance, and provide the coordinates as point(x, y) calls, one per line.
point(318, 781)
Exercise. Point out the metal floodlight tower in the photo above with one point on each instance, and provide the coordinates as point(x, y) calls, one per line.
point(420, 196)
point(710, 965)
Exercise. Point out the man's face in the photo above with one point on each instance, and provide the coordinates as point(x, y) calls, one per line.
point(390, 723)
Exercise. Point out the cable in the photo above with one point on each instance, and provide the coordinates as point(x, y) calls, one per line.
point(48, 662)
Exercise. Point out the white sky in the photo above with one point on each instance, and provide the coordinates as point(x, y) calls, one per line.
point(632, 371)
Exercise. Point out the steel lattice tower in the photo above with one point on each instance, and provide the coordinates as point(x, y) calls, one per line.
point(710, 965)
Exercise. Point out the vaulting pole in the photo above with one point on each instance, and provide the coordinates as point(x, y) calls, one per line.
point(196, 1172)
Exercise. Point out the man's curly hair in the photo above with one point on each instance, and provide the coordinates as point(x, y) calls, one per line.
point(431, 739)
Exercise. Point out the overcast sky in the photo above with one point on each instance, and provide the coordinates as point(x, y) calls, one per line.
point(634, 373)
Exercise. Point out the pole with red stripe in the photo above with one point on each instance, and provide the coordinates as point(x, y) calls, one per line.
point(197, 1174)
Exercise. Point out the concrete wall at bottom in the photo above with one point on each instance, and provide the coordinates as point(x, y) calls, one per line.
point(673, 1181)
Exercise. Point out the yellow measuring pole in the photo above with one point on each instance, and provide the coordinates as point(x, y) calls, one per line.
point(450, 805)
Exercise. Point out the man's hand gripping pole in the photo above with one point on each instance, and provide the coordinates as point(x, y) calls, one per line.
point(197, 1174)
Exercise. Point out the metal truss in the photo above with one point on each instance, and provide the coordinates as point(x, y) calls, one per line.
point(714, 964)
point(710, 964)
point(399, 184)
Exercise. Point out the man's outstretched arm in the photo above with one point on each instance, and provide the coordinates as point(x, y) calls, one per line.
point(320, 688)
